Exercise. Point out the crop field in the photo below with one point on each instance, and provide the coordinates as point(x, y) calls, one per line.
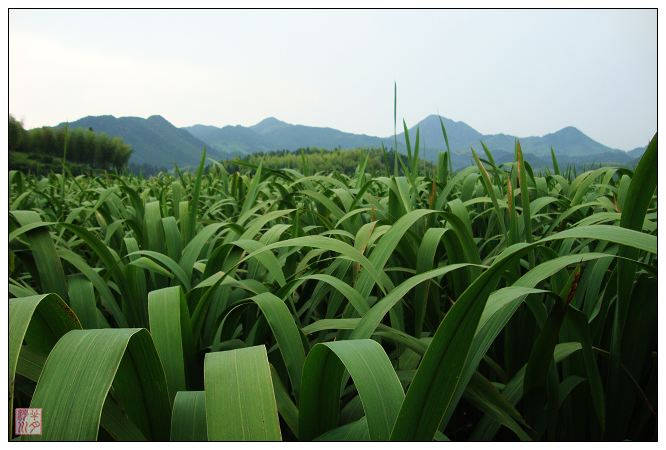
point(493, 303)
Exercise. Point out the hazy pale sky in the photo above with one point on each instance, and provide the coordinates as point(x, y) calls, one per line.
point(518, 72)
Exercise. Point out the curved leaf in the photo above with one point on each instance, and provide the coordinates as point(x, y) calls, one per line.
point(240, 402)
point(77, 380)
point(374, 377)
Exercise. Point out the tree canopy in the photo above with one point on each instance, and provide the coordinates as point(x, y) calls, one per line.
point(77, 145)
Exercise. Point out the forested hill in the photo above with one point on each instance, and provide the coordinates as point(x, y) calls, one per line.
point(42, 150)
point(155, 140)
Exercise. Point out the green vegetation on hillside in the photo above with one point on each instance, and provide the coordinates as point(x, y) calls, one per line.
point(272, 134)
point(313, 160)
point(42, 149)
point(155, 140)
point(493, 303)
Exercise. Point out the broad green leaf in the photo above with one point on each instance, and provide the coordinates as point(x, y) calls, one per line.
point(638, 198)
point(82, 301)
point(79, 374)
point(286, 334)
point(47, 262)
point(372, 373)
point(35, 325)
point(240, 402)
point(188, 420)
point(172, 335)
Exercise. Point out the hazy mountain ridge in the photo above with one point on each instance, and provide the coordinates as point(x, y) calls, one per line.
point(155, 140)
point(636, 152)
point(158, 142)
point(273, 134)
point(571, 145)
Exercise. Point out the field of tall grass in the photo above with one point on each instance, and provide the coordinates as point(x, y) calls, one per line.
point(494, 303)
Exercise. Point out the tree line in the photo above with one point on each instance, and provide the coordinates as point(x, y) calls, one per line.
point(83, 146)
point(310, 160)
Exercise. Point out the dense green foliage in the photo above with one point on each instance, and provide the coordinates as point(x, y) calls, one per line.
point(491, 303)
point(313, 160)
point(79, 146)
point(42, 164)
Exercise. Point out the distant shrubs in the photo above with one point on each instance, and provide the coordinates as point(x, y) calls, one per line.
point(84, 146)
point(310, 160)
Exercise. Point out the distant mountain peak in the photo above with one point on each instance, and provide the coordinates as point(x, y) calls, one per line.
point(104, 116)
point(436, 117)
point(271, 121)
point(157, 118)
point(155, 140)
point(570, 131)
point(569, 135)
point(433, 121)
point(433, 117)
point(269, 124)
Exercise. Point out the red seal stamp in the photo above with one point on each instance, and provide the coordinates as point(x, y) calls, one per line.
point(28, 421)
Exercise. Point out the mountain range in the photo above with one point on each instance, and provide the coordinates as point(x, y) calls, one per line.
point(159, 143)
point(155, 141)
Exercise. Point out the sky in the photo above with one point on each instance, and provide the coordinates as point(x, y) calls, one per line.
point(520, 72)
